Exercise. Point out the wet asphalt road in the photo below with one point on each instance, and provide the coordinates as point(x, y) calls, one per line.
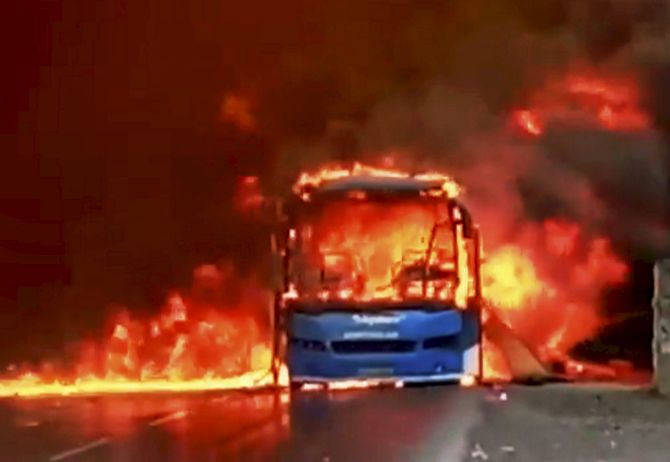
point(445, 424)
point(371, 425)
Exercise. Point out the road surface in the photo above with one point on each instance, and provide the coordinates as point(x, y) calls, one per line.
point(554, 423)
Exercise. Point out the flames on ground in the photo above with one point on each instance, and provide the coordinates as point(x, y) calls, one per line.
point(201, 340)
point(544, 284)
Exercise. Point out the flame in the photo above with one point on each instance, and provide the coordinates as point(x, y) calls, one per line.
point(494, 367)
point(546, 288)
point(510, 279)
point(196, 342)
point(375, 236)
point(314, 180)
point(611, 103)
point(544, 284)
point(360, 247)
point(31, 385)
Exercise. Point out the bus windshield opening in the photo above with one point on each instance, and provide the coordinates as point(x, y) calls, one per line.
point(366, 250)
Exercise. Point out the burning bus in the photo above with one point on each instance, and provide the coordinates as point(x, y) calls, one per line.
point(380, 280)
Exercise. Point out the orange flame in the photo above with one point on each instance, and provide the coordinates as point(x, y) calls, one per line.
point(611, 103)
point(546, 288)
point(360, 248)
point(199, 342)
point(510, 279)
point(365, 242)
point(316, 179)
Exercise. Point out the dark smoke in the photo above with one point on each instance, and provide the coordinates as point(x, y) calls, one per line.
point(122, 171)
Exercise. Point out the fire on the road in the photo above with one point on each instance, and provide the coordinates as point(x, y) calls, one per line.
point(203, 340)
point(30, 385)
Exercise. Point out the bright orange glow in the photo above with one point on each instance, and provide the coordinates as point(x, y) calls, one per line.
point(315, 180)
point(29, 385)
point(495, 367)
point(544, 284)
point(612, 103)
point(198, 341)
point(546, 288)
point(355, 248)
point(366, 250)
point(510, 279)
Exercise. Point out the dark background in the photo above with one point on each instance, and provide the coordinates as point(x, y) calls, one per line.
point(119, 170)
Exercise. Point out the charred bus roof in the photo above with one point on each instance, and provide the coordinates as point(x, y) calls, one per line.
point(374, 188)
point(311, 197)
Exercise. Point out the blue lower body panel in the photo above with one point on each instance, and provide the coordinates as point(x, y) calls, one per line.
point(409, 346)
